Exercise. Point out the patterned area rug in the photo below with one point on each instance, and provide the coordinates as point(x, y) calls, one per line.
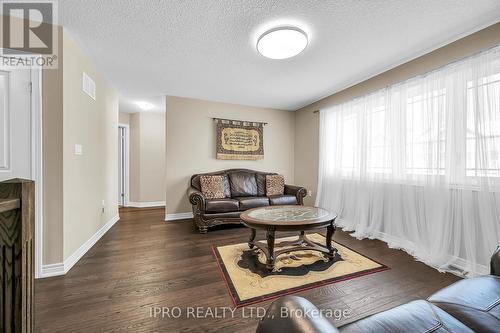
point(249, 282)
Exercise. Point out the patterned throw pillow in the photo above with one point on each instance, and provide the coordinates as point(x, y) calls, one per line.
point(275, 185)
point(212, 187)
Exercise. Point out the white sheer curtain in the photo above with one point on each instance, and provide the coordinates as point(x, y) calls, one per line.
point(417, 164)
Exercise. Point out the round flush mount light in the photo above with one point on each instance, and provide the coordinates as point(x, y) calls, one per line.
point(282, 43)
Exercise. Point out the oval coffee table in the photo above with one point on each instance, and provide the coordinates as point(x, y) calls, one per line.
point(290, 218)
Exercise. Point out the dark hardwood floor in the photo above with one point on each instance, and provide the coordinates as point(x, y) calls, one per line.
point(143, 262)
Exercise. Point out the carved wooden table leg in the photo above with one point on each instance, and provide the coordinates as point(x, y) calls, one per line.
point(252, 238)
point(330, 230)
point(301, 238)
point(270, 248)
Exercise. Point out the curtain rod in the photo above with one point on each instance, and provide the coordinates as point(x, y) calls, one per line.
point(240, 121)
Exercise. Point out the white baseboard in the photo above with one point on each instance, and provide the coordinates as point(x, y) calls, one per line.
point(178, 216)
point(63, 268)
point(78, 254)
point(144, 204)
point(52, 270)
point(464, 265)
point(458, 266)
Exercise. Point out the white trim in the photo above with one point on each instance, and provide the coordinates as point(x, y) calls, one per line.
point(463, 265)
point(145, 204)
point(37, 162)
point(5, 165)
point(63, 268)
point(52, 270)
point(178, 216)
point(78, 254)
point(127, 163)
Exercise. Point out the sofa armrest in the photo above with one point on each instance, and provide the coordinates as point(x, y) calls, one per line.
point(299, 192)
point(495, 262)
point(292, 314)
point(196, 198)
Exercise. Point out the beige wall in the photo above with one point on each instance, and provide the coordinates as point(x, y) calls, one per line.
point(147, 157)
point(134, 158)
point(307, 122)
point(90, 178)
point(52, 132)
point(191, 143)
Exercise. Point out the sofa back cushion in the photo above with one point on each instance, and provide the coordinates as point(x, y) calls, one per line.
point(212, 187)
point(260, 179)
point(243, 184)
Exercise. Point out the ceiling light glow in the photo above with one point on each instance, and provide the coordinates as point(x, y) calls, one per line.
point(282, 43)
point(146, 106)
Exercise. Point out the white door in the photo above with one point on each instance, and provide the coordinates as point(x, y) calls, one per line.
point(15, 124)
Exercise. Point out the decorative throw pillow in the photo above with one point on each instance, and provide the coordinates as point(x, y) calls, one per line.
point(275, 185)
point(212, 187)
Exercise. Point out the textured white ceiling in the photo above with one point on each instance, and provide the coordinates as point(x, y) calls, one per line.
point(206, 49)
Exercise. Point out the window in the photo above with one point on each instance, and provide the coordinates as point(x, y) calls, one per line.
point(377, 140)
point(443, 127)
point(425, 133)
point(424, 163)
point(483, 127)
point(349, 143)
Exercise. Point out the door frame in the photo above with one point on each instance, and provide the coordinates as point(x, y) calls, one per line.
point(37, 162)
point(36, 147)
point(126, 165)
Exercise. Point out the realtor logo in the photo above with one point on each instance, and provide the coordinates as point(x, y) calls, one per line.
point(29, 33)
point(27, 27)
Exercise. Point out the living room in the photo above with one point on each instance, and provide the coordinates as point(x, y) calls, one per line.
point(250, 166)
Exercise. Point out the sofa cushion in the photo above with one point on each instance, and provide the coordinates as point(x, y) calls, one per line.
point(227, 187)
point(243, 184)
point(212, 187)
point(475, 302)
point(416, 317)
point(275, 185)
point(261, 184)
point(252, 202)
point(221, 205)
point(284, 199)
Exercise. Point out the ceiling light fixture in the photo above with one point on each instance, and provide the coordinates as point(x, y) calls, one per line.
point(282, 43)
point(145, 105)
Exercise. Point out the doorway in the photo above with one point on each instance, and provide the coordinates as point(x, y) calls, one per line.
point(123, 165)
point(21, 136)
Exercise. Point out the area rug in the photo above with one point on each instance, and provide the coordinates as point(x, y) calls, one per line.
point(249, 282)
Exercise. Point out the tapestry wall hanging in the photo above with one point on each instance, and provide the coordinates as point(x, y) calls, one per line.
point(239, 140)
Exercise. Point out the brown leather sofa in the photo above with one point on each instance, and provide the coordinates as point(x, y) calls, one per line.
point(243, 189)
point(469, 305)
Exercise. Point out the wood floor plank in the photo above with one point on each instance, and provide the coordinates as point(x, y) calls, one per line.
point(144, 261)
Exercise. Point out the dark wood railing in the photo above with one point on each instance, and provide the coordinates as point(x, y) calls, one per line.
point(17, 223)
